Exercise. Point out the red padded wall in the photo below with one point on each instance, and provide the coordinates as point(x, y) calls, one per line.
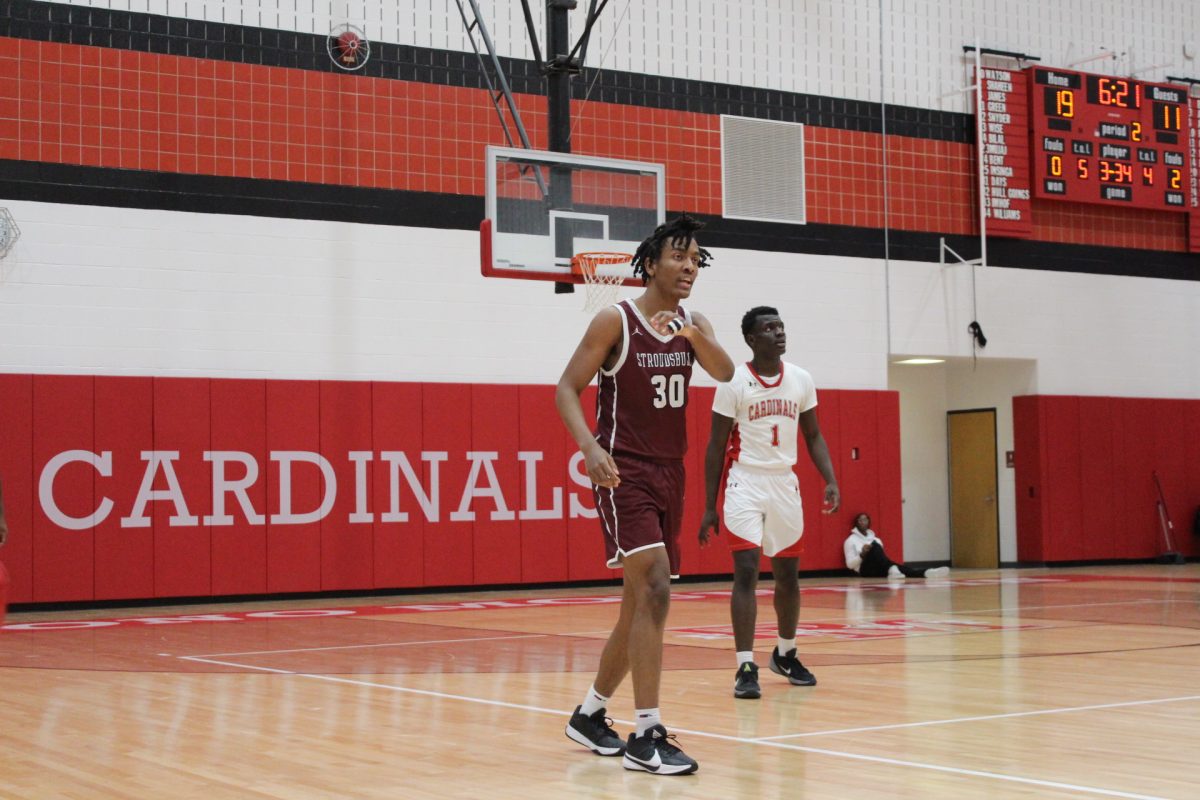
point(823, 533)
point(63, 561)
point(239, 423)
point(585, 554)
point(889, 492)
point(124, 416)
point(1099, 431)
point(399, 545)
point(449, 545)
point(347, 548)
point(18, 481)
point(1137, 462)
point(1091, 462)
point(182, 553)
point(1064, 501)
point(1027, 455)
point(543, 541)
point(857, 478)
point(293, 551)
point(495, 428)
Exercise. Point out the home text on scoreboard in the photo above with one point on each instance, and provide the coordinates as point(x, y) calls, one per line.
point(1116, 141)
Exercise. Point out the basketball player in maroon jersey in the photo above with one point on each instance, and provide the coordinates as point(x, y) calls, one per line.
point(642, 350)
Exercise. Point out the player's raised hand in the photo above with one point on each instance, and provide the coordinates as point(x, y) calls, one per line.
point(709, 523)
point(667, 323)
point(833, 498)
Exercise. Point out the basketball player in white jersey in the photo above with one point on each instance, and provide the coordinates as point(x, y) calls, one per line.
point(756, 419)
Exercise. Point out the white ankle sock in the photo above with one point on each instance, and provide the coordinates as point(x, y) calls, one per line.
point(593, 702)
point(646, 718)
point(785, 645)
point(745, 655)
point(894, 572)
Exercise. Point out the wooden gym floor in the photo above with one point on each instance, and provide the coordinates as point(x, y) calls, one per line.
point(1014, 683)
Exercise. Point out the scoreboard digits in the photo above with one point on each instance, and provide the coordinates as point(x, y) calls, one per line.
point(1115, 141)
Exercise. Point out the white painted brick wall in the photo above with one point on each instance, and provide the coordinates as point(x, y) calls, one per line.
point(825, 47)
point(129, 291)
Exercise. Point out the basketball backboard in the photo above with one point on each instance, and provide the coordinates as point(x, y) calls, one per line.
point(543, 208)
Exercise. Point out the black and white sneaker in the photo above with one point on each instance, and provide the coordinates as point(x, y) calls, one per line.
point(790, 667)
point(655, 751)
point(595, 733)
point(745, 685)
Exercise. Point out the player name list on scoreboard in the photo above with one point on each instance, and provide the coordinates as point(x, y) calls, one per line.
point(1004, 137)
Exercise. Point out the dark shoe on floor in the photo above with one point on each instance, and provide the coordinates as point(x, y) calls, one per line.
point(595, 733)
point(790, 667)
point(745, 686)
point(655, 751)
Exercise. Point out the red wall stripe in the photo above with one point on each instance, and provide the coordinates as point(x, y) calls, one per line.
point(103, 107)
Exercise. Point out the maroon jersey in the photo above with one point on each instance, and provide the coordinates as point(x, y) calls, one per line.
point(642, 405)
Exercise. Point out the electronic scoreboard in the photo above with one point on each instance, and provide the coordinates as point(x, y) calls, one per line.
point(1117, 141)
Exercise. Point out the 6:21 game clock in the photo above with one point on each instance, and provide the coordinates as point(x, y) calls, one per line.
point(1109, 140)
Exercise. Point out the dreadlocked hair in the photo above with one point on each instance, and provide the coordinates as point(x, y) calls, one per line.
point(679, 232)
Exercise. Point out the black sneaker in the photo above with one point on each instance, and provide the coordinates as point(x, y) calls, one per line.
point(745, 685)
point(790, 667)
point(655, 751)
point(595, 733)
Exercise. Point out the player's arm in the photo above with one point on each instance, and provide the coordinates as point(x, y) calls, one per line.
point(818, 451)
point(714, 465)
point(709, 353)
point(598, 341)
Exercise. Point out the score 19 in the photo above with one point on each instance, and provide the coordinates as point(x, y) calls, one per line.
point(1058, 102)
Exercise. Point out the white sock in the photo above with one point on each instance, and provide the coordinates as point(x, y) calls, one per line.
point(745, 655)
point(593, 702)
point(894, 572)
point(646, 718)
point(785, 645)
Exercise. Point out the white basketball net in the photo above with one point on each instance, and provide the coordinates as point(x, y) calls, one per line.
point(600, 290)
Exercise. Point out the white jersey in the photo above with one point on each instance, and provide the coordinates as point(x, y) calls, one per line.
point(766, 414)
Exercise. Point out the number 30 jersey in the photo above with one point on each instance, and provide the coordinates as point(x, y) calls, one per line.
point(766, 414)
point(641, 408)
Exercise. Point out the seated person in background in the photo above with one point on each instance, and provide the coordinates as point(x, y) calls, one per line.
point(864, 555)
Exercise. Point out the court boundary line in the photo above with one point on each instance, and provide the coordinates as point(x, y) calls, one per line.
point(704, 734)
point(368, 646)
point(984, 717)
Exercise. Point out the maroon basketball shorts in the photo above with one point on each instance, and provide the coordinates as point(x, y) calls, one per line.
point(645, 511)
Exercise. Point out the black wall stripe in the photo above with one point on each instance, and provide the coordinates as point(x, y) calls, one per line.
point(76, 185)
point(150, 33)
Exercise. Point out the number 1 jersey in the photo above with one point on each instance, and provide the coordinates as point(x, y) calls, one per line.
point(766, 414)
point(641, 408)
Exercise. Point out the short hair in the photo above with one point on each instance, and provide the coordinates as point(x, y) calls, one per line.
point(862, 514)
point(751, 317)
point(679, 231)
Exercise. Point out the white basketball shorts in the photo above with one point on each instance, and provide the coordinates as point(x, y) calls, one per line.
point(763, 509)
